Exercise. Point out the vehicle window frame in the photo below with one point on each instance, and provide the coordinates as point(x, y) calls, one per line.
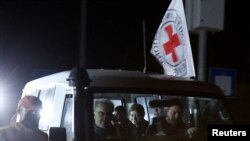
point(45, 126)
point(92, 90)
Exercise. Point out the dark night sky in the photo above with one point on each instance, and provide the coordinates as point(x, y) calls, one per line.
point(45, 34)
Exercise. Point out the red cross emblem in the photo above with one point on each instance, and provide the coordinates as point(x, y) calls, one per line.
point(169, 47)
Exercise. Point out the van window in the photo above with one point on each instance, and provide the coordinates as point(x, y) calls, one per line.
point(197, 112)
point(144, 101)
point(47, 97)
point(67, 116)
point(31, 92)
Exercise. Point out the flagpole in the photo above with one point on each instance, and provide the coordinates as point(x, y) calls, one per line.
point(202, 55)
point(83, 34)
point(144, 47)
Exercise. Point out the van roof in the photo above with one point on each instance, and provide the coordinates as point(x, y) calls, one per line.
point(122, 79)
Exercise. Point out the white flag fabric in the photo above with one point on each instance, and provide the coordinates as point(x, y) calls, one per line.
point(171, 45)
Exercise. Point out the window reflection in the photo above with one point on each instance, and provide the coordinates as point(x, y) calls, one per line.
point(67, 116)
point(195, 112)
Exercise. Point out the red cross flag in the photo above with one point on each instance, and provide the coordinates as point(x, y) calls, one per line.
point(171, 45)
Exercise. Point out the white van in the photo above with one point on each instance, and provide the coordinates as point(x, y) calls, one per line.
point(68, 99)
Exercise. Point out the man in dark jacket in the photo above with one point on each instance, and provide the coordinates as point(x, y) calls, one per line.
point(26, 129)
point(103, 128)
point(121, 122)
point(172, 125)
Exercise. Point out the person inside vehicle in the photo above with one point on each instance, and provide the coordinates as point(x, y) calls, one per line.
point(139, 124)
point(27, 128)
point(172, 126)
point(103, 109)
point(121, 122)
point(156, 114)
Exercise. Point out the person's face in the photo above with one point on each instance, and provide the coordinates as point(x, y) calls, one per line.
point(156, 111)
point(102, 115)
point(120, 117)
point(32, 116)
point(135, 117)
point(174, 115)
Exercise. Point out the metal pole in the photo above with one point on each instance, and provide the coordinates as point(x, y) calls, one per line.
point(202, 51)
point(80, 110)
point(144, 47)
point(83, 40)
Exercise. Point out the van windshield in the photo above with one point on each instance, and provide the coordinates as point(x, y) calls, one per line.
point(138, 116)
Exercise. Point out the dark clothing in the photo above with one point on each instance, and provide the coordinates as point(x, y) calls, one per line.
point(19, 132)
point(139, 131)
point(172, 132)
point(155, 127)
point(124, 130)
point(104, 133)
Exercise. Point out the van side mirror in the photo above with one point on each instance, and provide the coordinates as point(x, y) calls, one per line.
point(57, 134)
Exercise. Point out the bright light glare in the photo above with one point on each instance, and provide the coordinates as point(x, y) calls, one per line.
point(1, 102)
point(2, 99)
point(46, 115)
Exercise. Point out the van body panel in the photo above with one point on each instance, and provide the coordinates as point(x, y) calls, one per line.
point(122, 88)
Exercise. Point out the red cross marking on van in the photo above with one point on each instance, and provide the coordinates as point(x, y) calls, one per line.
point(169, 47)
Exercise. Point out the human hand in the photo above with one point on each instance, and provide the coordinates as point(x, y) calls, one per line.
point(191, 131)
